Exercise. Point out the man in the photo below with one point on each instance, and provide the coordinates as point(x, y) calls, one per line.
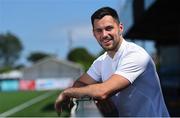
point(125, 73)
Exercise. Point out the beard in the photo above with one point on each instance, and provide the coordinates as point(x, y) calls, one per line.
point(112, 47)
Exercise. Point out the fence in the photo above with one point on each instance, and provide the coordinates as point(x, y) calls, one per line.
point(85, 107)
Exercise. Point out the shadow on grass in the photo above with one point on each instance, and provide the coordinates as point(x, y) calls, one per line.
point(50, 108)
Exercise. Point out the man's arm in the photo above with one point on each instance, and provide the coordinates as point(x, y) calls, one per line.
point(84, 80)
point(99, 90)
point(64, 101)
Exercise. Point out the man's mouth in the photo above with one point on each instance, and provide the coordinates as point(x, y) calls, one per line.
point(107, 42)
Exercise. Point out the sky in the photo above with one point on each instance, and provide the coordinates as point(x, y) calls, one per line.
point(47, 25)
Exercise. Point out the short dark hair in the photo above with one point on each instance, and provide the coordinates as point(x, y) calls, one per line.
point(100, 13)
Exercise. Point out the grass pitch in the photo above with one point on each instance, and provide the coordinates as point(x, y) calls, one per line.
point(44, 108)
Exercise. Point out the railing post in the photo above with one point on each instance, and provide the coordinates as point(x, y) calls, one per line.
point(85, 107)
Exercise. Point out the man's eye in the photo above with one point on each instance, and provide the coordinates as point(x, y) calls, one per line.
point(109, 28)
point(98, 30)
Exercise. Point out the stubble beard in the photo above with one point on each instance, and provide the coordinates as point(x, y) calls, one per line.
point(114, 46)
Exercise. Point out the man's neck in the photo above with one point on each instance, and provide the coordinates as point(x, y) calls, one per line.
point(113, 52)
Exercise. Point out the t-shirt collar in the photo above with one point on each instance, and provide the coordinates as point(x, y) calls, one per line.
point(120, 50)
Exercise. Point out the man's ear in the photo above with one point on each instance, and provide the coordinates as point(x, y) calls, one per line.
point(121, 28)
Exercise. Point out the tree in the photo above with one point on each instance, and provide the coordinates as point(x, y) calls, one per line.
point(36, 56)
point(81, 56)
point(10, 49)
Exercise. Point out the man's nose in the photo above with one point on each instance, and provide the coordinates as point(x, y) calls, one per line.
point(104, 34)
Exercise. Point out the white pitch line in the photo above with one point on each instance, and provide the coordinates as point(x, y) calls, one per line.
point(25, 105)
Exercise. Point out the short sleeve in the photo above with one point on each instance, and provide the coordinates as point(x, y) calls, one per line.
point(94, 70)
point(132, 65)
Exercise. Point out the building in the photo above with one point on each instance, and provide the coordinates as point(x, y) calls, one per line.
point(46, 74)
point(52, 68)
point(50, 73)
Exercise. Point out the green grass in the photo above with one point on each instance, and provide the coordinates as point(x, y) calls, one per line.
point(44, 108)
point(9, 100)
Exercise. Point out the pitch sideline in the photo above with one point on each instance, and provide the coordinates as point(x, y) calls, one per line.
point(26, 104)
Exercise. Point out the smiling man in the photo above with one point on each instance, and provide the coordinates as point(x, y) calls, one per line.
point(125, 74)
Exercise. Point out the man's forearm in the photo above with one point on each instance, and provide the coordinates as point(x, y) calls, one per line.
point(99, 90)
point(96, 91)
point(78, 83)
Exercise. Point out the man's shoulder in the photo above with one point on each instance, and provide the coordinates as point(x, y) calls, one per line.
point(135, 54)
point(132, 47)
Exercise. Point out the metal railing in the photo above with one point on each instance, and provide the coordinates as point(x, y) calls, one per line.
point(85, 107)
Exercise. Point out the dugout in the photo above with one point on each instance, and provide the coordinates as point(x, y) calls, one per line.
point(160, 23)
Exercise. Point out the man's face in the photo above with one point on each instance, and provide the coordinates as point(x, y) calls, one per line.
point(107, 32)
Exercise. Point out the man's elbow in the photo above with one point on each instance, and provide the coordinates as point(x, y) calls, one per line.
point(102, 95)
point(98, 91)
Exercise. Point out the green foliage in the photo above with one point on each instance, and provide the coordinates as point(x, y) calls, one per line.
point(81, 56)
point(10, 49)
point(36, 56)
point(5, 69)
point(17, 67)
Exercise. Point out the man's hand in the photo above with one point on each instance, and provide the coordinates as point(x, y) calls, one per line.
point(107, 108)
point(63, 103)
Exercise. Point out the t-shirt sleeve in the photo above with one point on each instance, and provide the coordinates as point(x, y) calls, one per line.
point(132, 65)
point(94, 70)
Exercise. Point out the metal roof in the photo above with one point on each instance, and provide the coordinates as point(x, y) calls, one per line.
point(161, 23)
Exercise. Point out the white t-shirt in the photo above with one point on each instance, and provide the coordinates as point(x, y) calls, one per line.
point(144, 96)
